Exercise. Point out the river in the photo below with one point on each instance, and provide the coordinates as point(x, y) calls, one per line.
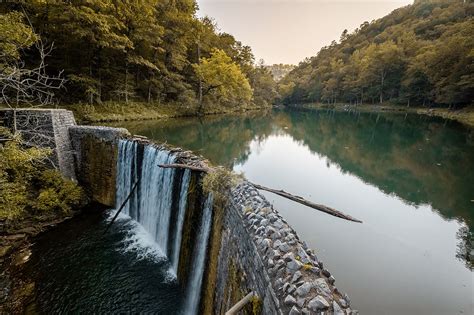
point(408, 177)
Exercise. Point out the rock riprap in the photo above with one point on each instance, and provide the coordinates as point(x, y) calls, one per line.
point(298, 278)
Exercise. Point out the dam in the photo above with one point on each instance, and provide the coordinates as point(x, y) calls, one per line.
point(218, 252)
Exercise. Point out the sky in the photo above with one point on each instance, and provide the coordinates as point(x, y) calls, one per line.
point(287, 31)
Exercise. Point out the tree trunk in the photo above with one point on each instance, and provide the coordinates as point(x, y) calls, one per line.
point(281, 193)
point(200, 80)
point(381, 87)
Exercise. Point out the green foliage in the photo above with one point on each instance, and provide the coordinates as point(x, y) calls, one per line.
point(419, 54)
point(15, 35)
point(219, 182)
point(27, 186)
point(224, 82)
point(56, 193)
point(131, 51)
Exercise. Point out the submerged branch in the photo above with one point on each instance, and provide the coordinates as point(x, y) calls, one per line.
point(122, 206)
point(281, 193)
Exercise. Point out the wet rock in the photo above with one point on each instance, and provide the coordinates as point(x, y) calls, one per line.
point(318, 304)
point(331, 280)
point(289, 257)
point(290, 300)
point(326, 273)
point(337, 309)
point(305, 259)
point(294, 265)
point(291, 289)
point(294, 311)
point(276, 236)
point(304, 289)
point(322, 287)
point(278, 224)
point(343, 303)
point(284, 247)
point(315, 270)
point(272, 217)
point(300, 301)
point(278, 282)
point(269, 230)
point(297, 276)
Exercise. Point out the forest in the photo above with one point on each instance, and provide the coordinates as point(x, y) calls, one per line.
point(418, 55)
point(150, 51)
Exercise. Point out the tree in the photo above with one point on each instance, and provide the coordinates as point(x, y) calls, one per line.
point(224, 83)
point(20, 85)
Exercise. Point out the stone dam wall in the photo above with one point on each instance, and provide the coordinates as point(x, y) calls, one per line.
point(251, 247)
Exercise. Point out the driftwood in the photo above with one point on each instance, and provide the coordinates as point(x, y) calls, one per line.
point(307, 203)
point(239, 305)
point(122, 206)
point(281, 193)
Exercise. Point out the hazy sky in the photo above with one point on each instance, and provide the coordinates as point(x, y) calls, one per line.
point(287, 31)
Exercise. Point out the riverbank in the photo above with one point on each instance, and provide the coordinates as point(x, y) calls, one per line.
point(464, 115)
point(113, 111)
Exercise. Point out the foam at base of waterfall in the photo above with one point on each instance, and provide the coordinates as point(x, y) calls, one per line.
point(137, 239)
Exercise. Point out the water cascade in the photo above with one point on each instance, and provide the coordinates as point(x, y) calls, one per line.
point(180, 221)
point(152, 205)
point(194, 284)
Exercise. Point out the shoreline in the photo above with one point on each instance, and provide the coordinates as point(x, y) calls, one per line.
point(116, 112)
point(464, 115)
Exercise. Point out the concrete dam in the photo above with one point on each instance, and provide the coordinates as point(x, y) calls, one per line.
point(218, 252)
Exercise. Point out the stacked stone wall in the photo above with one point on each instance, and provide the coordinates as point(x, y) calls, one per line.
point(272, 261)
point(46, 128)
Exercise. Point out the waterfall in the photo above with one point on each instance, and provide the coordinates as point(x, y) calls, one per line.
point(197, 270)
point(156, 195)
point(180, 220)
point(126, 173)
point(152, 203)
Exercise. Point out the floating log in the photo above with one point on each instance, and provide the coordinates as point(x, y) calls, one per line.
point(307, 203)
point(122, 206)
point(281, 193)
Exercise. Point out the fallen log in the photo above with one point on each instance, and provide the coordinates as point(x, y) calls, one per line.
point(122, 206)
point(239, 305)
point(281, 193)
point(307, 203)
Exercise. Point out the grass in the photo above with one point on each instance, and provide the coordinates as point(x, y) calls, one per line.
point(114, 111)
point(464, 115)
point(120, 111)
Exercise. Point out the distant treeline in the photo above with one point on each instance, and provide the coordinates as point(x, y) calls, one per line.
point(148, 50)
point(420, 54)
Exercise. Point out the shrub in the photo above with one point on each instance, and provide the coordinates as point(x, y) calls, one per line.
point(27, 186)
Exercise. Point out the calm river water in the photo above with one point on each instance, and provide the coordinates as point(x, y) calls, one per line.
point(408, 177)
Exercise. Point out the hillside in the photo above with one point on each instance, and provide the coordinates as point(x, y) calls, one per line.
point(154, 51)
point(420, 54)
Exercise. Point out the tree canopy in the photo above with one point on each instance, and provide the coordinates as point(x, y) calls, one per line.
point(127, 50)
point(419, 54)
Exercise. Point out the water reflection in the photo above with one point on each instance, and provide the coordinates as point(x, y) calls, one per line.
point(423, 160)
point(399, 173)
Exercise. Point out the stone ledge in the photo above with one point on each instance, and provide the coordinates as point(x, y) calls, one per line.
point(299, 280)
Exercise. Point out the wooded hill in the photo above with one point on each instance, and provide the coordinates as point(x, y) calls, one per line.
point(149, 51)
point(420, 54)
